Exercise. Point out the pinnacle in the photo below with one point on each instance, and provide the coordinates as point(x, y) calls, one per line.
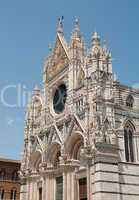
point(95, 39)
point(95, 35)
point(77, 25)
point(60, 25)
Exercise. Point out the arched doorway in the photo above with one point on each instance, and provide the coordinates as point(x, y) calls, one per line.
point(53, 158)
point(74, 145)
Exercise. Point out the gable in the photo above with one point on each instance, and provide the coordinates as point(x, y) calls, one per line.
point(59, 58)
point(76, 126)
point(55, 135)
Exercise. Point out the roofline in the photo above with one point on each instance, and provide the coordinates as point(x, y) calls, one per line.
point(132, 89)
point(10, 160)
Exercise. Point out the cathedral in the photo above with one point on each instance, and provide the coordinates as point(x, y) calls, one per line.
point(81, 138)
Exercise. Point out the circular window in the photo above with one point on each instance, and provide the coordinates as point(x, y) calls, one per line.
point(59, 98)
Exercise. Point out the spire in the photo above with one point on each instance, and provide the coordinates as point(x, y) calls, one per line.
point(95, 39)
point(60, 25)
point(77, 25)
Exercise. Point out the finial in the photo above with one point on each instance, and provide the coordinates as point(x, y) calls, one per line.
point(60, 25)
point(77, 25)
point(95, 39)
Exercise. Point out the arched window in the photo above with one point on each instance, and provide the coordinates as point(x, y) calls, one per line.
point(1, 193)
point(13, 194)
point(128, 141)
point(129, 101)
point(15, 176)
point(2, 174)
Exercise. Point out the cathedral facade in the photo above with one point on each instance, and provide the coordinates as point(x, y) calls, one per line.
point(81, 138)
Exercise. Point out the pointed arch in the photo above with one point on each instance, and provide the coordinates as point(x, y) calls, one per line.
point(35, 160)
point(106, 124)
point(128, 141)
point(73, 145)
point(53, 154)
point(129, 122)
point(130, 101)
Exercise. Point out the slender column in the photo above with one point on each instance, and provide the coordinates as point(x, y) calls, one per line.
point(35, 190)
point(88, 183)
point(53, 190)
point(49, 187)
point(28, 195)
point(68, 186)
point(71, 186)
point(30, 190)
point(77, 190)
point(73, 190)
point(44, 189)
point(64, 186)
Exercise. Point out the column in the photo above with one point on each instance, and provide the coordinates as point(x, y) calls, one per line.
point(49, 187)
point(44, 189)
point(71, 186)
point(88, 183)
point(64, 186)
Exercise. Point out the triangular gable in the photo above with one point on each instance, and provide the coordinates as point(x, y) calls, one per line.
point(63, 43)
point(36, 145)
point(76, 125)
point(55, 135)
point(59, 58)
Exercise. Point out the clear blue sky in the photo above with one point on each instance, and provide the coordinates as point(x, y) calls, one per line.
point(28, 27)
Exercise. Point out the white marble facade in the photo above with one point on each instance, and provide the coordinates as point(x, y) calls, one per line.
point(81, 138)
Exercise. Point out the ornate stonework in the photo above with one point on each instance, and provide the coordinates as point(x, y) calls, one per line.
point(82, 128)
point(59, 60)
